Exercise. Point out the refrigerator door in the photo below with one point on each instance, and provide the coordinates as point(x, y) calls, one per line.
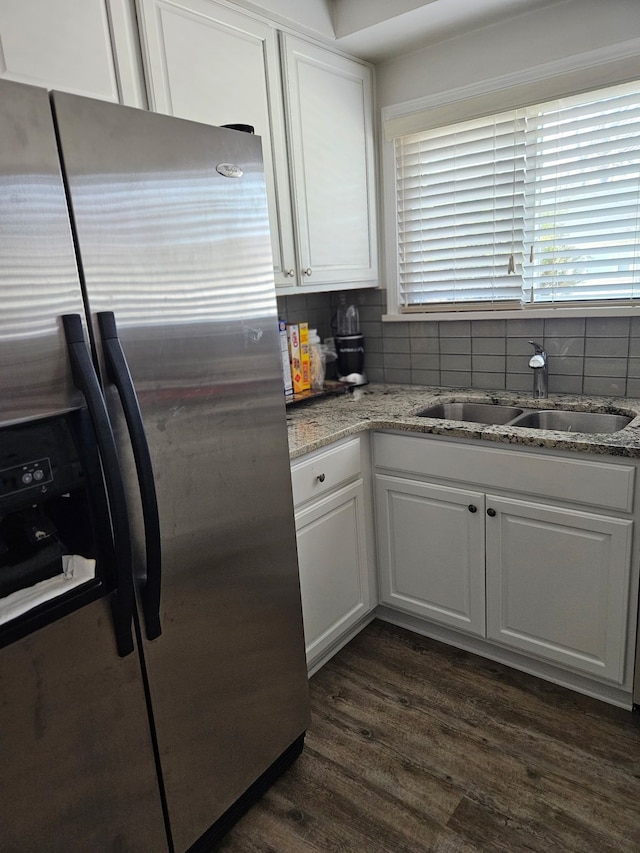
point(38, 273)
point(78, 769)
point(171, 222)
point(77, 760)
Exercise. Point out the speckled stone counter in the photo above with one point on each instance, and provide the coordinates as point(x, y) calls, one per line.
point(316, 423)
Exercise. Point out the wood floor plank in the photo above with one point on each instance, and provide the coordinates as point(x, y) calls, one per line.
point(416, 747)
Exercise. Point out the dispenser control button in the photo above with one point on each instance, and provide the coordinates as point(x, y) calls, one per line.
point(38, 474)
point(27, 478)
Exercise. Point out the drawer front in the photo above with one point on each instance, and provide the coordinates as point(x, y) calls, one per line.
point(593, 483)
point(315, 475)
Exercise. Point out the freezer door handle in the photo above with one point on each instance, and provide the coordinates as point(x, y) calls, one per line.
point(86, 380)
point(119, 374)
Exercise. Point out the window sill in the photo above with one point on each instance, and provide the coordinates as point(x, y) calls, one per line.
point(516, 314)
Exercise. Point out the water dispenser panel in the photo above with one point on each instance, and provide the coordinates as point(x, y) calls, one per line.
point(25, 475)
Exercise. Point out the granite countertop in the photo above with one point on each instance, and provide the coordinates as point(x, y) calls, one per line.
point(314, 424)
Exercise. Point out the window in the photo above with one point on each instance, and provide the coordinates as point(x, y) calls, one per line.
point(533, 206)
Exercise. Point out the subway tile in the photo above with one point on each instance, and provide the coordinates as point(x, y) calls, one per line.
point(565, 384)
point(633, 387)
point(519, 364)
point(395, 344)
point(455, 362)
point(455, 329)
point(488, 363)
point(488, 328)
point(371, 329)
point(564, 327)
point(369, 313)
point(604, 386)
point(425, 377)
point(372, 344)
point(423, 329)
point(612, 367)
point(607, 347)
point(455, 378)
point(608, 327)
point(455, 345)
point(633, 368)
point(635, 326)
point(525, 328)
point(375, 374)
point(519, 382)
point(427, 361)
point(318, 301)
point(519, 347)
point(371, 296)
point(490, 381)
point(398, 376)
point(634, 347)
point(564, 346)
point(422, 345)
point(397, 361)
point(373, 359)
point(566, 366)
point(396, 330)
point(488, 346)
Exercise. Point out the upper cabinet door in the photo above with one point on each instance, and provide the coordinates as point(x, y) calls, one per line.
point(329, 111)
point(88, 47)
point(210, 64)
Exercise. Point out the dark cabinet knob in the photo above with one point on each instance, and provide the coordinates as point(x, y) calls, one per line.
point(473, 508)
point(320, 478)
point(491, 512)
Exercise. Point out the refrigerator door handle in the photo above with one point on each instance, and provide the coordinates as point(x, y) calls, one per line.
point(119, 374)
point(86, 380)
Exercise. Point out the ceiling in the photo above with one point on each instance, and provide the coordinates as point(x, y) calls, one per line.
point(378, 30)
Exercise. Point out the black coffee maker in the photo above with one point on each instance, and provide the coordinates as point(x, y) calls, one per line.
point(349, 344)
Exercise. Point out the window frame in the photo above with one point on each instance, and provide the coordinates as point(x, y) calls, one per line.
point(593, 70)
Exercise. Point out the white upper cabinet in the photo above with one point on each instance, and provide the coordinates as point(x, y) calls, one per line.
point(211, 64)
point(208, 62)
point(84, 46)
point(329, 111)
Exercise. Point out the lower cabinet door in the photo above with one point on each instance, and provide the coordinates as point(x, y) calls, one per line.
point(334, 572)
point(431, 551)
point(557, 584)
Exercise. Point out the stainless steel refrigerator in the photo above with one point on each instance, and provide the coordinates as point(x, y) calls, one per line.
point(152, 669)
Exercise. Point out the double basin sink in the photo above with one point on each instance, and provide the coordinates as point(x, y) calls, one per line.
point(516, 416)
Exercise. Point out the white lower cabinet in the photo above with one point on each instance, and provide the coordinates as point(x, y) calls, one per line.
point(431, 545)
point(558, 584)
point(553, 578)
point(333, 551)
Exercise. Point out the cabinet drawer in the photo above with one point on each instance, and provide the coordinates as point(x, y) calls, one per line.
point(316, 475)
point(593, 483)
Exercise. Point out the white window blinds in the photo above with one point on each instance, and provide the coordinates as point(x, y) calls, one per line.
point(535, 205)
point(583, 198)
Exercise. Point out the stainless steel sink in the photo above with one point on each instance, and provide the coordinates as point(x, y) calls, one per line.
point(556, 419)
point(479, 413)
point(593, 422)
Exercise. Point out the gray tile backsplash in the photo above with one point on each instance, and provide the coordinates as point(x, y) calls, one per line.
point(586, 355)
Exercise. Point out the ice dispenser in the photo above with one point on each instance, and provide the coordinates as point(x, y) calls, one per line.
point(55, 546)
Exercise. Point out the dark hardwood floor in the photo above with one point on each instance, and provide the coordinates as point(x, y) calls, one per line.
point(415, 746)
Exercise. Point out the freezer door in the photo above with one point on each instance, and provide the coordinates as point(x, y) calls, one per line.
point(78, 770)
point(38, 273)
point(77, 760)
point(171, 222)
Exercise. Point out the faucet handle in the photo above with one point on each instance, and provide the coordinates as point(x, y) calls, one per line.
point(539, 349)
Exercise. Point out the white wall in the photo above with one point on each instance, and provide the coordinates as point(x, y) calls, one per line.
point(547, 35)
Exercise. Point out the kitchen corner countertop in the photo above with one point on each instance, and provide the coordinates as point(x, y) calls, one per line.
point(316, 423)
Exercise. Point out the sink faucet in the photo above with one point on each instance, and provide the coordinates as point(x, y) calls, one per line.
point(538, 362)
